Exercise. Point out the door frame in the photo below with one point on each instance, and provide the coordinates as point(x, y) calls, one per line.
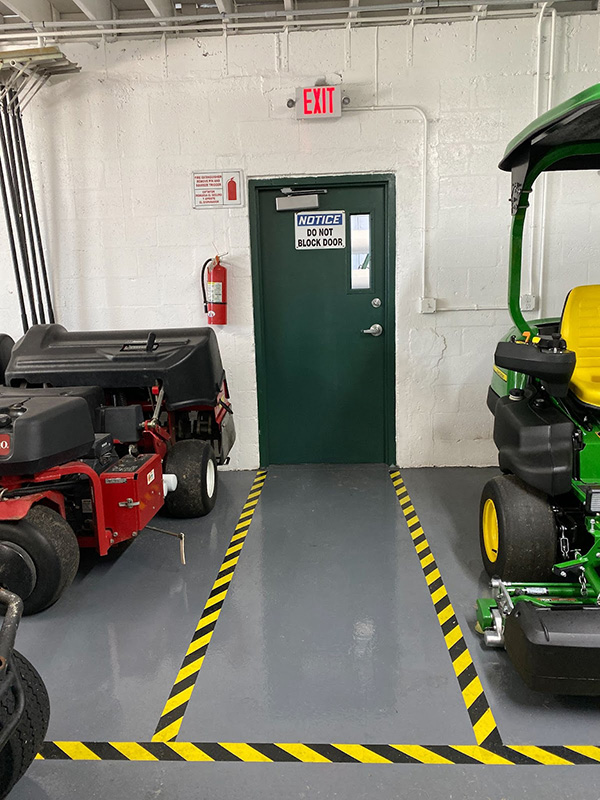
point(388, 182)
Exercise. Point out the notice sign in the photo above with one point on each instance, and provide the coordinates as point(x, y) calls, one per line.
point(324, 230)
point(217, 189)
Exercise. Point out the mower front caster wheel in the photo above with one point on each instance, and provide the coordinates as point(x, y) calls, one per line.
point(39, 556)
point(27, 738)
point(194, 464)
point(517, 531)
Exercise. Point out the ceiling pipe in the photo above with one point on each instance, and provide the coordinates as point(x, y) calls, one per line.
point(7, 33)
point(343, 11)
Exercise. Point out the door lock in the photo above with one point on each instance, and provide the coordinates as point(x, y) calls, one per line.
point(374, 330)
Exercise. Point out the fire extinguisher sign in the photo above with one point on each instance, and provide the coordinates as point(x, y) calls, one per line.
point(320, 230)
point(217, 189)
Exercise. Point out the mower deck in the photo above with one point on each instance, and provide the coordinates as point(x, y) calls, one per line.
point(556, 649)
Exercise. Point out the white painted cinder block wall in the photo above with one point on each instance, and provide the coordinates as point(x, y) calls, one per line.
point(113, 149)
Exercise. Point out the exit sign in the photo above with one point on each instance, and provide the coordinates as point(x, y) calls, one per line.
point(318, 102)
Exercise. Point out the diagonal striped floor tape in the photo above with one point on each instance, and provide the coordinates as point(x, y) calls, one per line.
point(294, 752)
point(480, 713)
point(171, 718)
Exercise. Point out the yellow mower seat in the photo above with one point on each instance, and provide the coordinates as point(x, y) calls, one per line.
point(580, 328)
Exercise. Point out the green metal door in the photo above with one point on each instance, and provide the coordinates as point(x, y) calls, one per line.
point(325, 387)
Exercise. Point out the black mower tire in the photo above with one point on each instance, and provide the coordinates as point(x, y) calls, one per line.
point(527, 534)
point(194, 464)
point(28, 736)
point(51, 544)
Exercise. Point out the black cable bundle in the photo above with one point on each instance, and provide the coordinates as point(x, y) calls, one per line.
point(20, 212)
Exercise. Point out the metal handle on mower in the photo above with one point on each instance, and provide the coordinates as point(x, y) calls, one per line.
point(12, 617)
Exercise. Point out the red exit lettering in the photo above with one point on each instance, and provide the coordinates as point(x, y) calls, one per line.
point(318, 100)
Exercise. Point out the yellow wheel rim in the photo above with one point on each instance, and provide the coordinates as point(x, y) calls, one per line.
point(489, 524)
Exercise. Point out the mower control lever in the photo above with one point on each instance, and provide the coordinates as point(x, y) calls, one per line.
point(374, 330)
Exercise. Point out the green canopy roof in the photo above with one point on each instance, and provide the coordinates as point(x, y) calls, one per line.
point(576, 120)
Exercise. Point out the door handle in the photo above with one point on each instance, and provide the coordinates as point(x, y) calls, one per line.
point(374, 330)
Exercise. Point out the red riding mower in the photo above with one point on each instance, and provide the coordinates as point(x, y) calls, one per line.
point(98, 431)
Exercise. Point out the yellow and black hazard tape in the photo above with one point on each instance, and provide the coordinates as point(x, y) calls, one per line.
point(480, 713)
point(171, 718)
point(294, 752)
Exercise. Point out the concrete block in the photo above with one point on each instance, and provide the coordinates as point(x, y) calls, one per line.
point(74, 234)
point(506, 47)
point(195, 58)
point(87, 173)
point(139, 172)
point(168, 201)
point(281, 137)
point(447, 45)
point(141, 231)
point(239, 99)
point(466, 191)
point(174, 169)
point(107, 262)
point(484, 287)
point(113, 233)
point(452, 159)
point(205, 140)
point(474, 423)
point(99, 204)
point(90, 55)
point(195, 230)
point(456, 92)
point(469, 126)
point(246, 55)
point(137, 60)
point(316, 54)
point(157, 263)
point(584, 41)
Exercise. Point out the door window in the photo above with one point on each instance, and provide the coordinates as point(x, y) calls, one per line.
point(360, 251)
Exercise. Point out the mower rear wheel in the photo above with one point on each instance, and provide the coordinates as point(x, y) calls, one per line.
point(517, 531)
point(51, 548)
point(194, 464)
point(28, 736)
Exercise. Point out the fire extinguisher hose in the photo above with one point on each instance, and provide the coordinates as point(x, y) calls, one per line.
point(204, 300)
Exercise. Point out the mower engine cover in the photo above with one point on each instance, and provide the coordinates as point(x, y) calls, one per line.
point(555, 649)
point(38, 431)
point(185, 360)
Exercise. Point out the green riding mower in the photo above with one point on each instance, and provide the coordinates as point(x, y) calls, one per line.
point(540, 519)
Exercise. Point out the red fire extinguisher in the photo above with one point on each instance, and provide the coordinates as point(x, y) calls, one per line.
point(231, 189)
point(214, 291)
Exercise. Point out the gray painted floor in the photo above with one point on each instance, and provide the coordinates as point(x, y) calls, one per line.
point(447, 501)
point(327, 634)
point(111, 647)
